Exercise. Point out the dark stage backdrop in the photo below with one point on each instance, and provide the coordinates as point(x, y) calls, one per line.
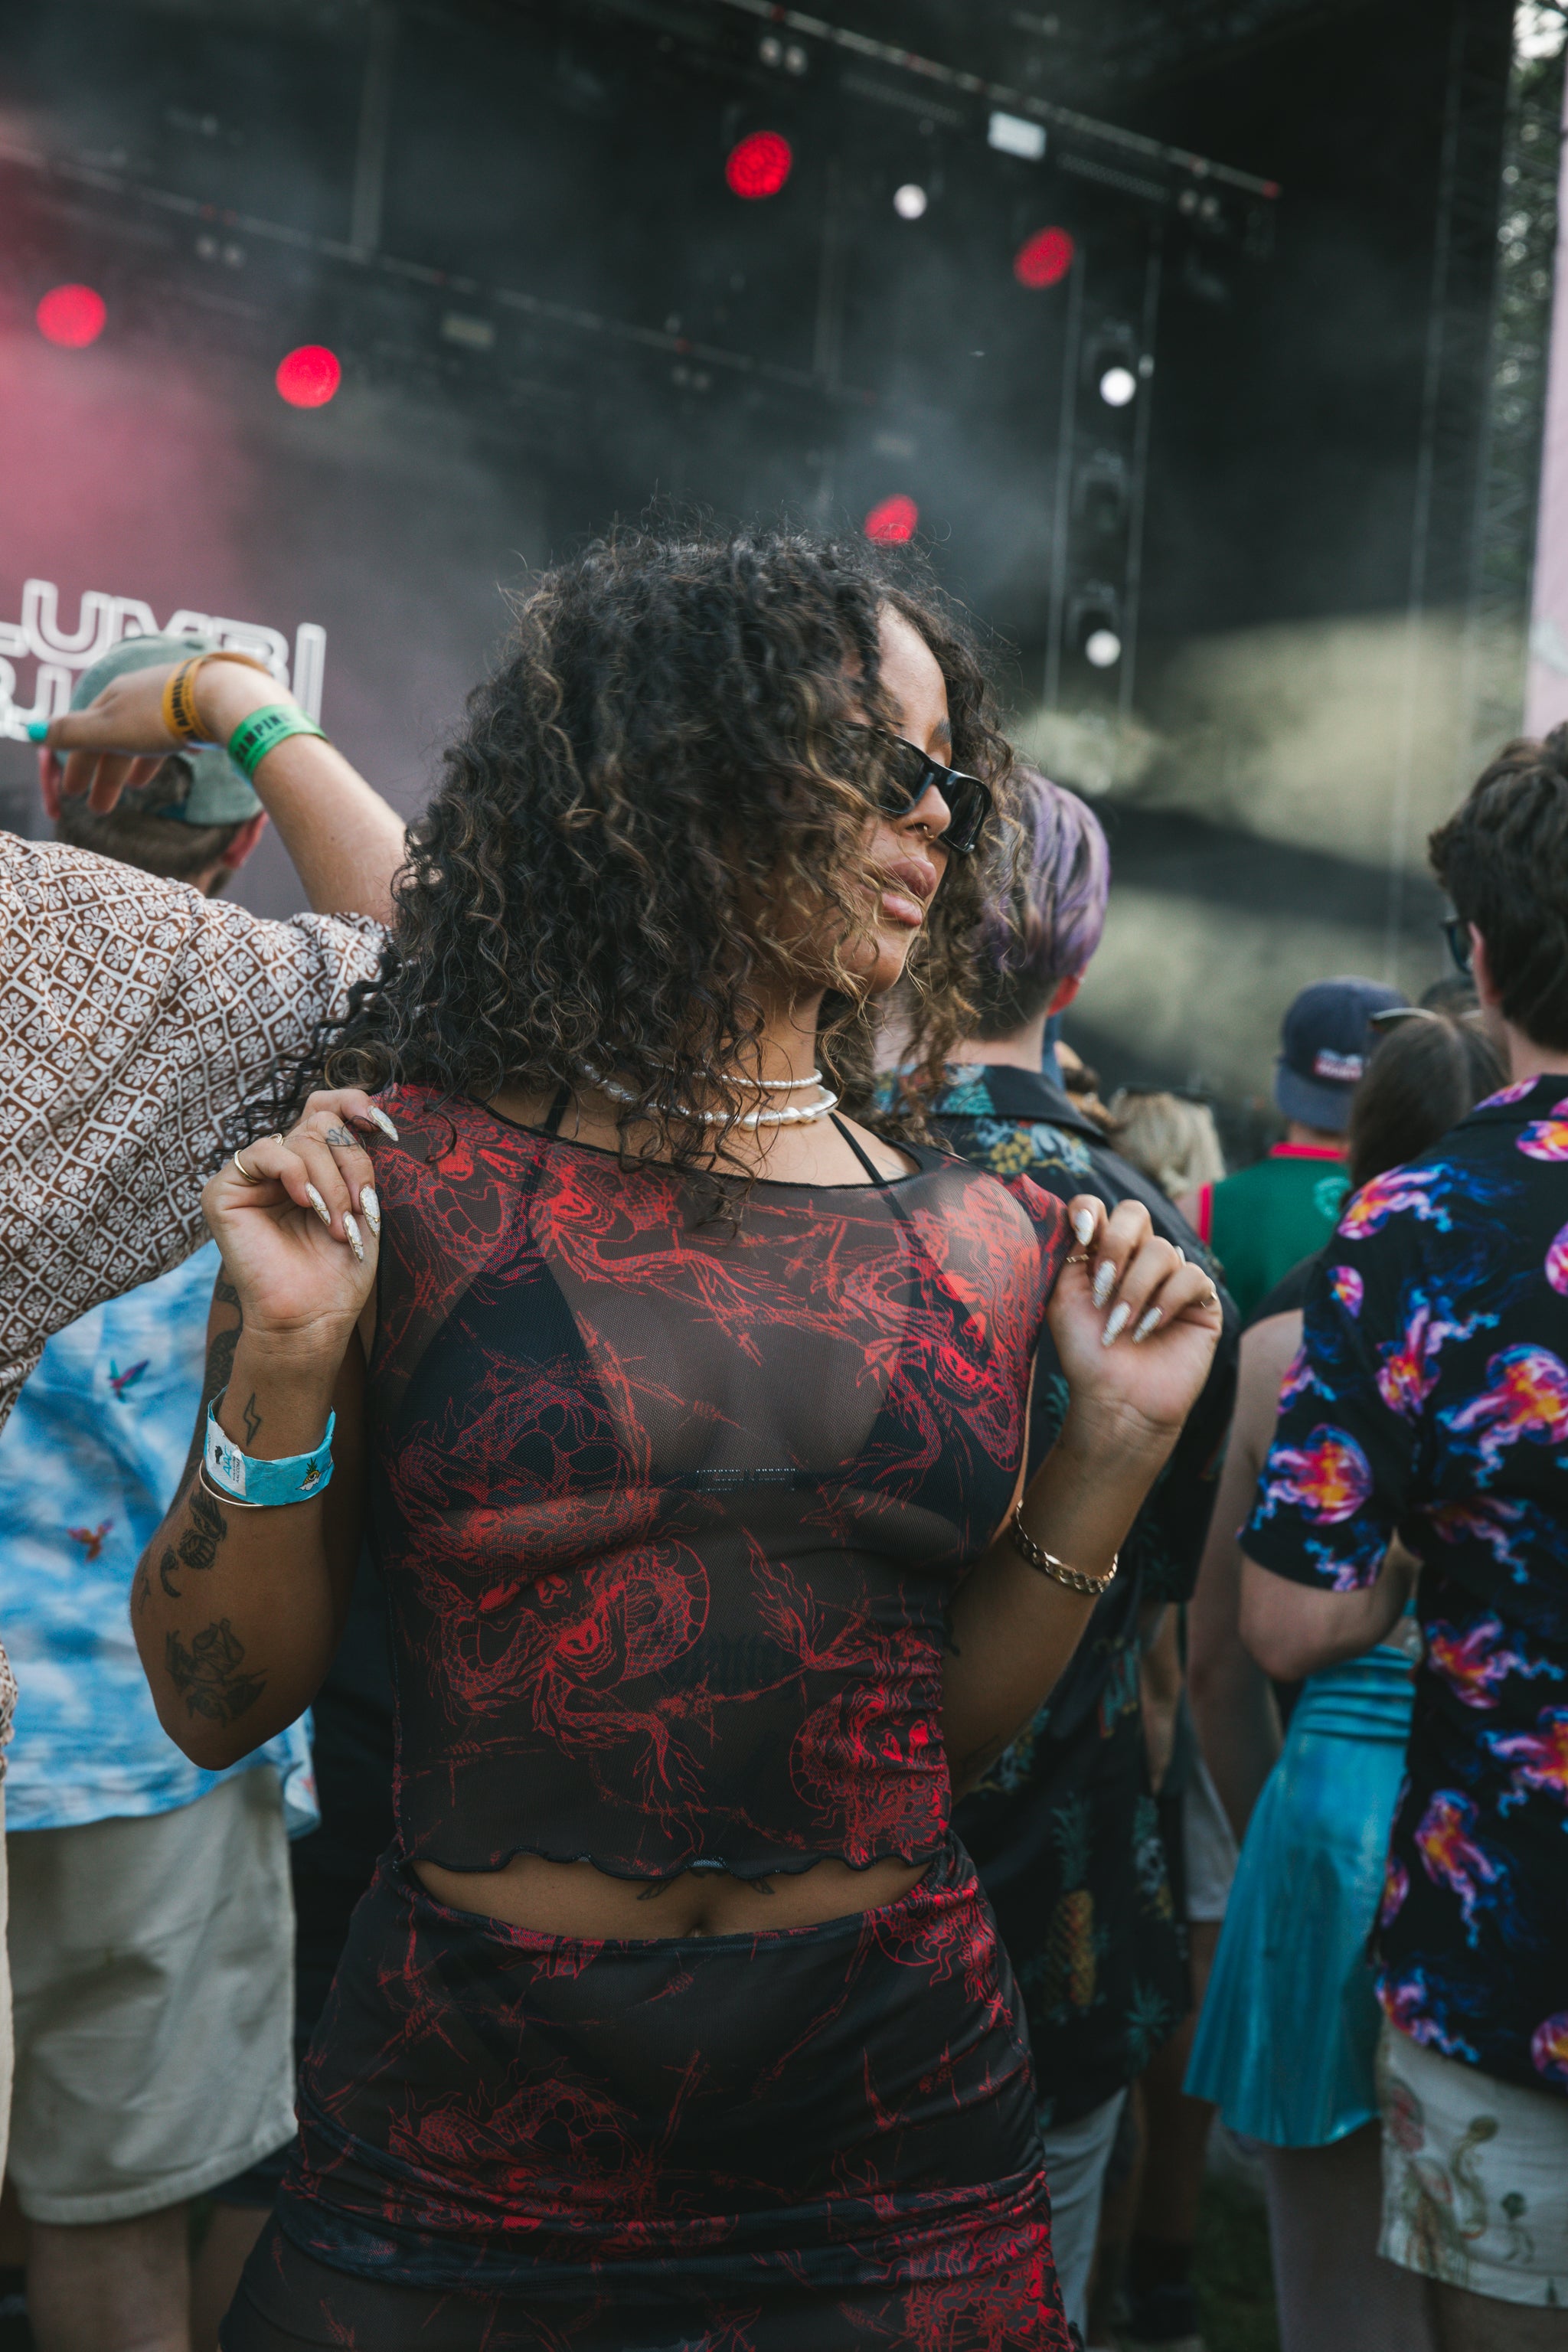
point(513, 227)
point(523, 233)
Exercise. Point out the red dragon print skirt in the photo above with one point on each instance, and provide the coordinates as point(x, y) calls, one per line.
point(510, 2142)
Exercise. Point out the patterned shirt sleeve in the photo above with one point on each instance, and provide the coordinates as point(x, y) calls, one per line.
point(1338, 1478)
point(134, 1016)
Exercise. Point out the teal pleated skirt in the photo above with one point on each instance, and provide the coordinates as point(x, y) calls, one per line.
point(1284, 2043)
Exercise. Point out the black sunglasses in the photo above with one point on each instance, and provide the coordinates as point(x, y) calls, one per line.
point(1458, 935)
point(909, 774)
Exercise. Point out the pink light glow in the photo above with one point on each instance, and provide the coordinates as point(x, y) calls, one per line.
point(1045, 258)
point(894, 520)
point(759, 164)
point(309, 377)
point(71, 316)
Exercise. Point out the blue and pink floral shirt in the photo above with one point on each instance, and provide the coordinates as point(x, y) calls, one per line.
point(1430, 1400)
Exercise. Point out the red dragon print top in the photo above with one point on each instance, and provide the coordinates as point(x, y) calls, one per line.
point(669, 1505)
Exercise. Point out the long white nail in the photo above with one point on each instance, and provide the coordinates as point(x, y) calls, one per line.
point(1115, 1324)
point(352, 1229)
point(1104, 1282)
point(1148, 1324)
point(321, 1207)
point(371, 1208)
point(383, 1122)
point(1083, 1226)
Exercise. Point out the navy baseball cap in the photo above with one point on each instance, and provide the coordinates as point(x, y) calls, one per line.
point(200, 785)
point(1324, 1041)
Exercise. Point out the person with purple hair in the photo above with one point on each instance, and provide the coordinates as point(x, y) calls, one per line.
point(1066, 1829)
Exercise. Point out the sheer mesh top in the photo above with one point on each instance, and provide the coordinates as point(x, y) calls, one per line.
point(669, 1505)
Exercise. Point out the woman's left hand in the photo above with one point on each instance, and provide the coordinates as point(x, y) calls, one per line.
point(1134, 1323)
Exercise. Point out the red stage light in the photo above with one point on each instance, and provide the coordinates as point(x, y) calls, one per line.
point(760, 163)
point(1045, 258)
point(307, 377)
point(892, 521)
point(72, 315)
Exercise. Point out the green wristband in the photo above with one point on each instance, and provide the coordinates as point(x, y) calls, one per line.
point(265, 730)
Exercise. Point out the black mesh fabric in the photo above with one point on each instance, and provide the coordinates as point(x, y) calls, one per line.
point(670, 1502)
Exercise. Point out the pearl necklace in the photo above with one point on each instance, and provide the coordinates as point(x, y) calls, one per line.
point(792, 1115)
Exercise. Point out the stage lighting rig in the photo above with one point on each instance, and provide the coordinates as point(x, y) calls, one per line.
point(1113, 363)
point(1099, 494)
point(1094, 625)
point(783, 57)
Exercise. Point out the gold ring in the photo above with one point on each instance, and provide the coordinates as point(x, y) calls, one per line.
point(248, 1174)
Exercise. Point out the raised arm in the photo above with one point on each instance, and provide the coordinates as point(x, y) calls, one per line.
point(238, 1610)
point(344, 840)
point(1013, 1627)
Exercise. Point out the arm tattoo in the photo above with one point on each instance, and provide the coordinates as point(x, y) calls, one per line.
point(170, 1590)
point(198, 1547)
point(214, 1379)
point(252, 1419)
point(210, 1675)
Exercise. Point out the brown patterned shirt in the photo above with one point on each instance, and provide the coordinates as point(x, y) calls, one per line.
point(134, 1016)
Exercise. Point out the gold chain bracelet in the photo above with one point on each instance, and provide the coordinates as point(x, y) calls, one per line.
point(1046, 1563)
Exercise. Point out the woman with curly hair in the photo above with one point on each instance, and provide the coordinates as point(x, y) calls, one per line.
point(682, 1414)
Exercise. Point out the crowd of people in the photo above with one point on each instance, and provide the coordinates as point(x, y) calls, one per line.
point(702, 1661)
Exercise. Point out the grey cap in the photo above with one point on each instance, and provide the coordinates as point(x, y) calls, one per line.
point(200, 785)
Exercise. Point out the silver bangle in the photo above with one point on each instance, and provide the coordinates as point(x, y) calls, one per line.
point(234, 1502)
point(1046, 1563)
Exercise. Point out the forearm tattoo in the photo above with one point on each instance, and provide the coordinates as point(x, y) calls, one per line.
point(214, 1379)
point(210, 1675)
point(206, 1528)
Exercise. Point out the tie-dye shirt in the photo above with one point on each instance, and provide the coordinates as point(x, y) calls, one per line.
point(1430, 1399)
point(89, 1461)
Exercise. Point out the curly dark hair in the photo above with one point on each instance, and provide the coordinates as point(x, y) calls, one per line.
point(1502, 858)
point(662, 765)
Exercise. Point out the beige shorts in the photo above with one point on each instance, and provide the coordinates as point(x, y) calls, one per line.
point(1475, 2176)
point(153, 1969)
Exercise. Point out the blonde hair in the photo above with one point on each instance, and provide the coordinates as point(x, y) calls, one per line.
point(1172, 1140)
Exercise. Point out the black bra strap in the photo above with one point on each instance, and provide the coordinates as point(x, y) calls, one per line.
point(557, 1110)
point(872, 1170)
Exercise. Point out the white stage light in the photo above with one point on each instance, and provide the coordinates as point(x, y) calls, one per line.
point(1117, 385)
point(909, 201)
point(1102, 648)
point(1016, 134)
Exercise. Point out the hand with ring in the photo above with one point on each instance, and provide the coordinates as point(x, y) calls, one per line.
point(298, 1220)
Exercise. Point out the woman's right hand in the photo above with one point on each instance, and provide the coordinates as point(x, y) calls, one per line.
point(300, 1245)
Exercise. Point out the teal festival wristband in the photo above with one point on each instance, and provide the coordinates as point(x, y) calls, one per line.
point(262, 1486)
point(265, 730)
